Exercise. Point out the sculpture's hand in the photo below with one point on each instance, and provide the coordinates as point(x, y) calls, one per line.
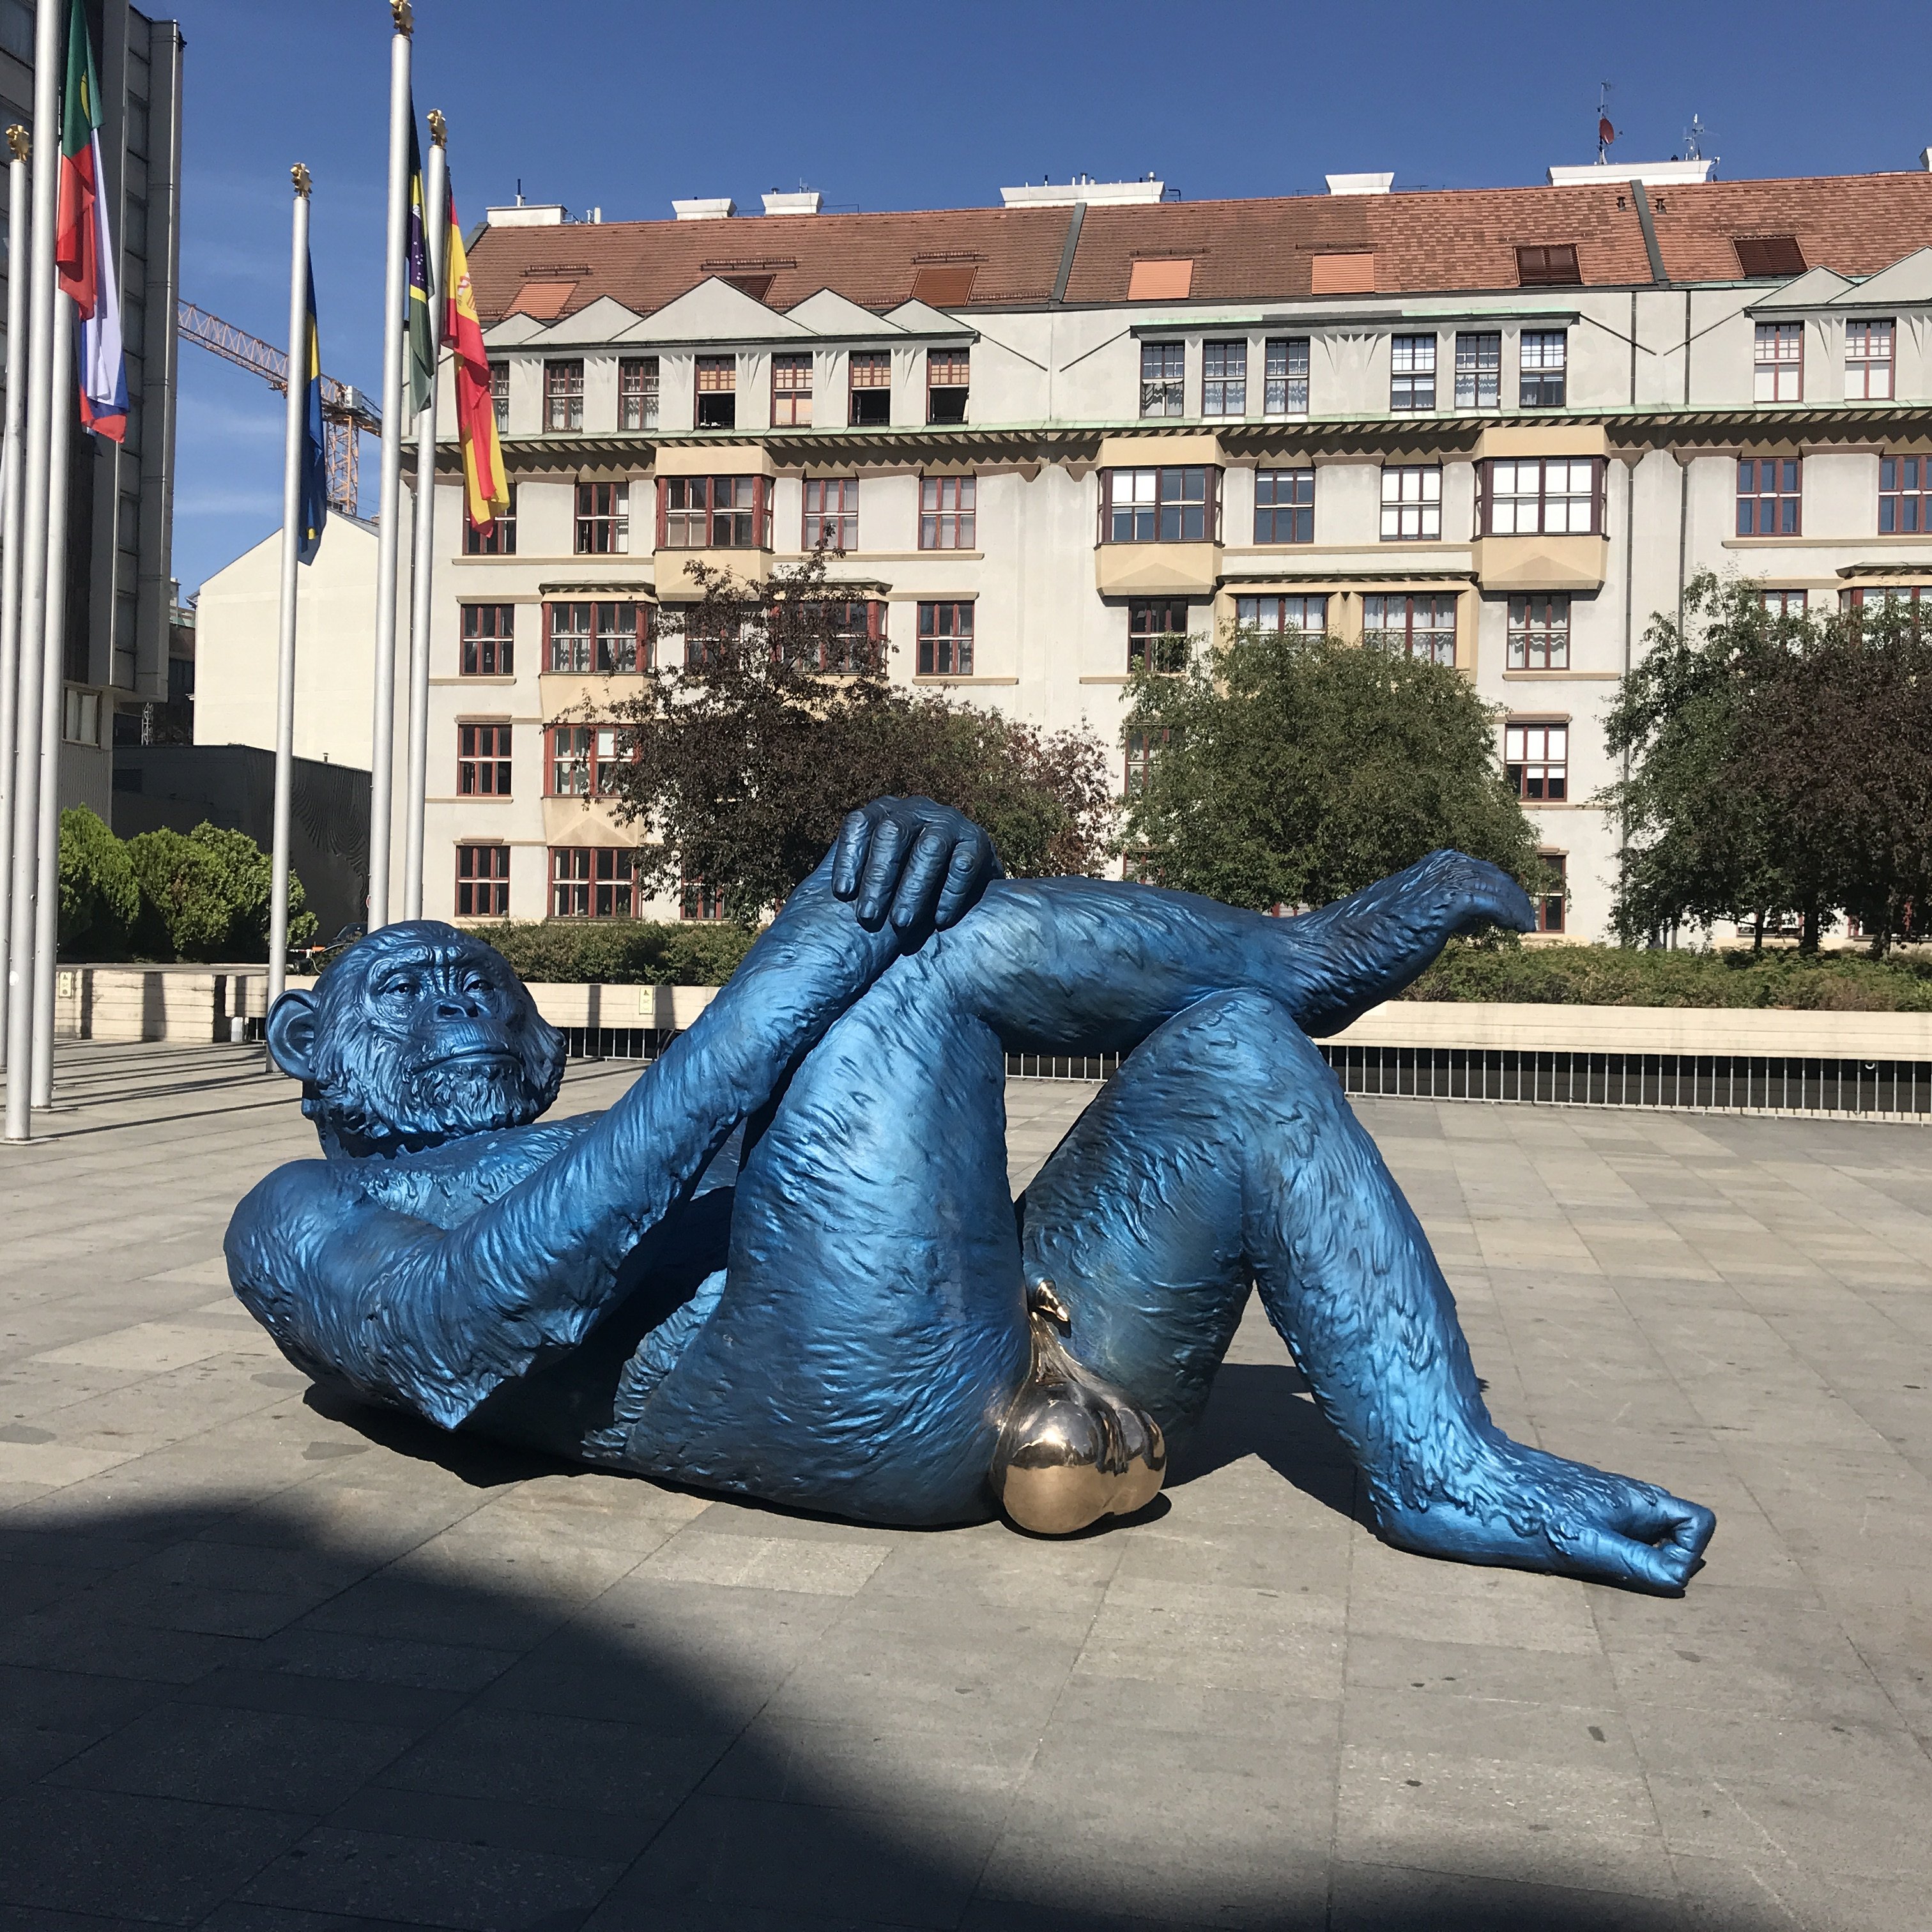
point(917, 862)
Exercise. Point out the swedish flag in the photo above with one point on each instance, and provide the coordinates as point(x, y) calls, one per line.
point(314, 462)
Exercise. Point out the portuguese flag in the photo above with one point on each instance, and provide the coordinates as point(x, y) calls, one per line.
point(486, 489)
point(83, 246)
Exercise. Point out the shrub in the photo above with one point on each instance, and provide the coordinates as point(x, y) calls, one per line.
point(1607, 976)
point(99, 896)
point(206, 895)
point(623, 952)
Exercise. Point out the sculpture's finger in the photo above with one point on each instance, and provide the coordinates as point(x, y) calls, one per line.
point(972, 864)
point(1608, 1557)
point(849, 854)
point(1664, 1520)
point(884, 863)
point(919, 883)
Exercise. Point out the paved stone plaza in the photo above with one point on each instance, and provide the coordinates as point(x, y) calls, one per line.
point(271, 1667)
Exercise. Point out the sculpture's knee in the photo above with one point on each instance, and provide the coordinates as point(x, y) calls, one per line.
point(1248, 1041)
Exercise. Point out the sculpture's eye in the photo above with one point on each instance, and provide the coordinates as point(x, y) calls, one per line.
point(402, 988)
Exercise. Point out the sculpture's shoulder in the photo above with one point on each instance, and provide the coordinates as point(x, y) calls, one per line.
point(446, 1185)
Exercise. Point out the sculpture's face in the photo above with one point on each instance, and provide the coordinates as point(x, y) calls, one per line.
point(417, 1034)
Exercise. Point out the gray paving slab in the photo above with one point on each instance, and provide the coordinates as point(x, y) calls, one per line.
point(267, 1665)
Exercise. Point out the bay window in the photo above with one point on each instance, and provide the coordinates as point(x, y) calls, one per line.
point(1539, 496)
point(715, 513)
point(597, 637)
point(1176, 505)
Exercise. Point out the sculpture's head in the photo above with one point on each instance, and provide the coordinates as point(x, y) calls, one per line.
point(417, 1034)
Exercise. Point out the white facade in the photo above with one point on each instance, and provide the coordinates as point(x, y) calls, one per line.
point(1660, 397)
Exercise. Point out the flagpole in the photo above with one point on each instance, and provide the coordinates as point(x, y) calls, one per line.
point(33, 573)
point(382, 738)
point(18, 274)
point(53, 690)
point(293, 432)
point(435, 181)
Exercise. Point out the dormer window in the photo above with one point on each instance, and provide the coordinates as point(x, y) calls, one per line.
point(1550, 266)
point(1868, 361)
point(717, 392)
point(1779, 365)
point(791, 390)
point(872, 388)
point(1769, 257)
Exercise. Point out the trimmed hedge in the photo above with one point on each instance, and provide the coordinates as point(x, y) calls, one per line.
point(620, 952)
point(1609, 975)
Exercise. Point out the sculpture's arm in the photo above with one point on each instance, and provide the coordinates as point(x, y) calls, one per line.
point(438, 1318)
point(1081, 964)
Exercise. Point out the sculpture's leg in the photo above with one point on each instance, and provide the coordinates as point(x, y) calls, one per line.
point(872, 1330)
point(1224, 1149)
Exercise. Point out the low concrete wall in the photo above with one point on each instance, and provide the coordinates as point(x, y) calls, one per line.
point(199, 1005)
point(1766, 1031)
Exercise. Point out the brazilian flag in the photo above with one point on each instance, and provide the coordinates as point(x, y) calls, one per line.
point(314, 494)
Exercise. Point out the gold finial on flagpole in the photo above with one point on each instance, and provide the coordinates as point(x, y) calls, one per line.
point(20, 142)
point(399, 11)
point(439, 128)
point(299, 174)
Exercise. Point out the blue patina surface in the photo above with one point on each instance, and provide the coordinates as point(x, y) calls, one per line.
point(785, 1264)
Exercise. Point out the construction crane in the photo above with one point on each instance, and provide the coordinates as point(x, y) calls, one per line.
point(346, 412)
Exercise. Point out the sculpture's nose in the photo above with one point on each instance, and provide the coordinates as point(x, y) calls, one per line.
point(452, 1006)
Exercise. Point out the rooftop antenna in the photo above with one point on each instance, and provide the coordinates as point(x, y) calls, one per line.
point(1693, 139)
point(1606, 134)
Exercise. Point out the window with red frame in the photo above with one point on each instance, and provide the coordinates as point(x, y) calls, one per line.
point(1905, 495)
point(945, 640)
point(715, 513)
point(637, 392)
point(948, 382)
point(1778, 364)
point(872, 388)
point(488, 634)
point(597, 637)
point(1548, 902)
point(499, 539)
point(1868, 361)
point(1411, 627)
point(1165, 506)
point(696, 900)
point(838, 636)
point(592, 882)
point(563, 394)
point(1539, 632)
point(499, 398)
point(1157, 635)
point(1143, 747)
point(1271, 616)
point(717, 392)
point(1539, 496)
point(483, 761)
point(1875, 597)
point(791, 391)
point(482, 881)
point(603, 519)
point(947, 513)
point(1284, 506)
point(1769, 497)
point(1536, 757)
point(832, 512)
point(1783, 603)
point(582, 758)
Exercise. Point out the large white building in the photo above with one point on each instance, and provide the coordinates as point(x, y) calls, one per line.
point(1500, 428)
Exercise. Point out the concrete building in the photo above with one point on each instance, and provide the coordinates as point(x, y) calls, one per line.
point(120, 594)
point(1499, 428)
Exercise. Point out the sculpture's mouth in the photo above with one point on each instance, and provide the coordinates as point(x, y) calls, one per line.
point(469, 1056)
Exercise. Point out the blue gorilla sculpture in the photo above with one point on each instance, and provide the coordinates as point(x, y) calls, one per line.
point(842, 1310)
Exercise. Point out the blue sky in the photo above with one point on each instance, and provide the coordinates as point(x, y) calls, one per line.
point(625, 105)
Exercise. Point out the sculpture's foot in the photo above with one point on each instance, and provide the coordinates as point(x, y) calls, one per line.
point(1508, 1504)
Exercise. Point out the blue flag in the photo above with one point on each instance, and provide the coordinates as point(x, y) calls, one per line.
point(314, 462)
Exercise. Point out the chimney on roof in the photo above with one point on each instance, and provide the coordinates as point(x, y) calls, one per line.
point(1360, 184)
point(522, 214)
point(1652, 174)
point(721, 209)
point(1925, 160)
point(1084, 188)
point(804, 201)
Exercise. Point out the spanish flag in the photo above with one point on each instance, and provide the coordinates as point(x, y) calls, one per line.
point(84, 246)
point(486, 490)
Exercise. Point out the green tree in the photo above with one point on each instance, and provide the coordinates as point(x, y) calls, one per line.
point(1293, 770)
point(205, 894)
point(747, 756)
point(1776, 764)
point(99, 895)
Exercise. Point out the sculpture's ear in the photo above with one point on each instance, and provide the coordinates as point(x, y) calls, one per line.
point(291, 1031)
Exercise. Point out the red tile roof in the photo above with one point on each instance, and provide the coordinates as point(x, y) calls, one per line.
point(1256, 250)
